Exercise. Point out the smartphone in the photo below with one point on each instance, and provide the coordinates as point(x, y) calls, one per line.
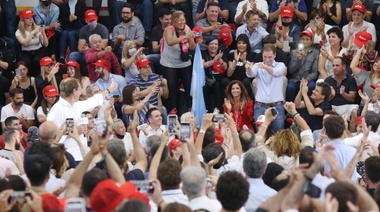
point(145, 51)
point(219, 118)
point(321, 43)
point(221, 20)
point(18, 72)
point(144, 186)
point(19, 196)
point(316, 22)
point(301, 47)
point(115, 96)
point(185, 131)
point(274, 111)
point(172, 122)
point(69, 125)
point(75, 205)
point(311, 190)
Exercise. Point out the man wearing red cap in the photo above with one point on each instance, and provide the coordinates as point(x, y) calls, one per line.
point(358, 24)
point(98, 52)
point(289, 31)
point(303, 65)
point(92, 27)
point(368, 4)
point(298, 6)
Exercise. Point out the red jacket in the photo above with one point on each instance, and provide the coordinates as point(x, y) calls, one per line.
point(242, 117)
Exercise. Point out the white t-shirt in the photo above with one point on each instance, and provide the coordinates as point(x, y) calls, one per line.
point(34, 43)
point(26, 111)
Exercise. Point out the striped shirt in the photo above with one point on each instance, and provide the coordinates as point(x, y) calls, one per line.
point(138, 81)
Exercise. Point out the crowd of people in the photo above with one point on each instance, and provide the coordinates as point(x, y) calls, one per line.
point(100, 117)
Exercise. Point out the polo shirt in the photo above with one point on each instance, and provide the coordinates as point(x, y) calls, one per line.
point(348, 82)
point(135, 31)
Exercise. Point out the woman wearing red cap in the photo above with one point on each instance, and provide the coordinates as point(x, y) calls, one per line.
point(238, 104)
point(73, 70)
point(50, 98)
point(26, 83)
point(33, 41)
point(215, 65)
point(47, 76)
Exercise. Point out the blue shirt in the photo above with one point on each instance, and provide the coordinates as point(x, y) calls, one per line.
point(138, 81)
point(46, 18)
point(344, 153)
point(135, 31)
point(255, 39)
point(269, 86)
point(103, 85)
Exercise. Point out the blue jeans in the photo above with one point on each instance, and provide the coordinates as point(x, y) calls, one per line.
point(71, 37)
point(293, 88)
point(8, 13)
point(143, 11)
point(278, 123)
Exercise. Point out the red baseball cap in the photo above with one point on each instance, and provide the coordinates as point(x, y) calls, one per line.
point(217, 67)
point(286, 12)
point(103, 63)
point(197, 32)
point(90, 15)
point(50, 91)
point(50, 202)
point(107, 195)
point(46, 61)
point(362, 38)
point(359, 7)
point(142, 62)
point(359, 120)
point(225, 35)
point(72, 63)
point(174, 143)
point(308, 33)
point(26, 13)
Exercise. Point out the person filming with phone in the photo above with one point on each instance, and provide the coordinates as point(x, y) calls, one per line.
point(303, 65)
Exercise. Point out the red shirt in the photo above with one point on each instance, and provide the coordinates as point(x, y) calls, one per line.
point(2, 144)
point(242, 117)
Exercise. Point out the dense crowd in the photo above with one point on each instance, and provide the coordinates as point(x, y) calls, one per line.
point(203, 105)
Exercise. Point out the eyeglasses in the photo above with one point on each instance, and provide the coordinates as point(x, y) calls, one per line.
point(126, 13)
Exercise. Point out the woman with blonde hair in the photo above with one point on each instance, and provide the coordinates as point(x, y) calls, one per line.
point(33, 41)
point(47, 76)
point(176, 61)
point(129, 57)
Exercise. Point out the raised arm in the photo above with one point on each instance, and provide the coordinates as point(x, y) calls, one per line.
point(157, 157)
point(206, 123)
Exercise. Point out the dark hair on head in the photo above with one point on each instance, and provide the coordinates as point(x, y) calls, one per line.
point(326, 90)
point(209, 137)
point(372, 168)
point(269, 39)
point(4, 185)
point(59, 158)
point(232, 190)
point(21, 62)
point(212, 38)
point(41, 148)
point(372, 119)
point(280, 183)
point(343, 192)
point(376, 194)
point(91, 179)
point(168, 173)
point(272, 171)
point(37, 168)
point(133, 205)
point(14, 91)
point(17, 183)
point(334, 126)
point(154, 148)
point(177, 207)
point(247, 139)
point(343, 60)
point(128, 5)
point(128, 94)
point(314, 13)
point(149, 113)
point(250, 13)
point(338, 32)
point(164, 11)
point(244, 38)
point(8, 121)
point(306, 155)
point(244, 97)
point(86, 112)
point(212, 4)
point(211, 152)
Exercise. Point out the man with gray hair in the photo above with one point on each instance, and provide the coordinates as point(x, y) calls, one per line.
point(195, 186)
point(254, 166)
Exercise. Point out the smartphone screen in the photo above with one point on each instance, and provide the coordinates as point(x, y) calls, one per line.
point(18, 72)
point(274, 111)
point(75, 205)
point(172, 122)
point(321, 43)
point(185, 131)
point(69, 125)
